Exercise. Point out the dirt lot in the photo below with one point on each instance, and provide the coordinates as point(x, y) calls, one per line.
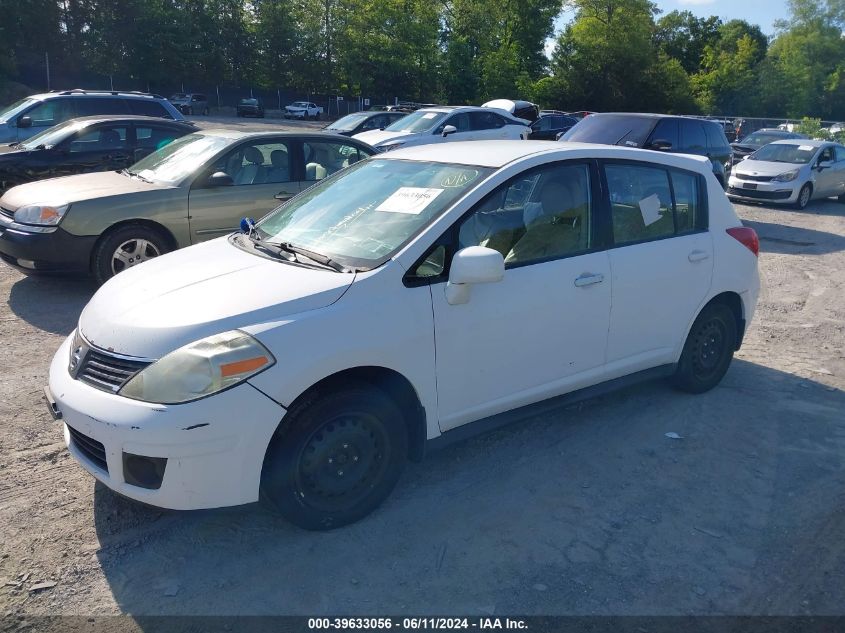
point(590, 510)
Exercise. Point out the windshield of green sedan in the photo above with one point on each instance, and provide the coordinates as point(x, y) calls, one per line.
point(786, 153)
point(53, 136)
point(179, 159)
point(418, 121)
point(362, 216)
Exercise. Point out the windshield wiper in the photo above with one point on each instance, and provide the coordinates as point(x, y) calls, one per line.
point(133, 174)
point(18, 144)
point(285, 247)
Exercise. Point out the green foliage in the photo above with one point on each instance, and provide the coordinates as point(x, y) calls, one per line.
point(812, 128)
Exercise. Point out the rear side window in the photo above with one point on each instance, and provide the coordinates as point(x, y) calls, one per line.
point(649, 203)
point(149, 137)
point(716, 138)
point(86, 106)
point(148, 108)
point(693, 139)
point(486, 121)
point(101, 139)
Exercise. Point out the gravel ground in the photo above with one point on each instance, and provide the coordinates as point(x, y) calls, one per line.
point(588, 510)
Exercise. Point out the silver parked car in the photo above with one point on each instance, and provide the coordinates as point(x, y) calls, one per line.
point(190, 103)
point(790, 172)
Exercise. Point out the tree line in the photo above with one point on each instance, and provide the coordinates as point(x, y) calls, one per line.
point(613, 55)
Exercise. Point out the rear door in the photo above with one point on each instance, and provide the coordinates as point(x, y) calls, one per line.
point(322, 158)
point(661, 261)
point(265, 173)
point(488, 125)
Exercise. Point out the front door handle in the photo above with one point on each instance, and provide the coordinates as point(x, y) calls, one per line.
point(284, 195)
point(698, 256)
point(588, 279)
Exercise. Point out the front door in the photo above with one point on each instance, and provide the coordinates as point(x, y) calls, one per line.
point(662, 262)
point(264, 174)
point(542, 330)
point(104, 147)
point(828, 179)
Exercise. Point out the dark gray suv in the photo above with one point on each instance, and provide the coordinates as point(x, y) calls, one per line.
point(35, 114)
point(664, 133)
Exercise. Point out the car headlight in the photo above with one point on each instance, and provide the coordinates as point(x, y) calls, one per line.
point(41, 214)
point(786, 176)
point(200, 369)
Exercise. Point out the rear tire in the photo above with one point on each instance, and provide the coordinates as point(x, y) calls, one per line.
point(804, 196)
point(708, 350)
point(336, 458)
point(125, 247)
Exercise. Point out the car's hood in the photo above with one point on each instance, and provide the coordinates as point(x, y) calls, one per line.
point(5, 149)
point(764, 168)
point(168, 302)
point(744, 149)
point(74, 189)
point(374, 137)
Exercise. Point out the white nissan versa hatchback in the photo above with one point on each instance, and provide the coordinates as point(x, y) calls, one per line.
point(379, 312)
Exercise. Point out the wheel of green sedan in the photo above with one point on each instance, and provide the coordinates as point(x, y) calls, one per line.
point(126, 247)
point(337, 458)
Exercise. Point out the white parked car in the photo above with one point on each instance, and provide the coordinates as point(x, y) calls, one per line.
point(302, 110)
point(447, 123)
point(790, 172)
point(391, 306)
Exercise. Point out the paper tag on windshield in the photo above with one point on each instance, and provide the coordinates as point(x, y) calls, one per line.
point(806, 148)
point(650, 209)
point(409, 200)
point(429, 115)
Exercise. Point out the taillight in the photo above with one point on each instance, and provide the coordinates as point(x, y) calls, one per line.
point(747, 236)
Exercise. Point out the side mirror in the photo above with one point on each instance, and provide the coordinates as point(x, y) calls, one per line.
point(824, 164)
point(660, 145)
point(25, 121)
point(473, 265)
point(219, 179)
point(449, 129)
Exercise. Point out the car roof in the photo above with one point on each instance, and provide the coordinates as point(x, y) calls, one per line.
point(497, 154)
point(97, 93)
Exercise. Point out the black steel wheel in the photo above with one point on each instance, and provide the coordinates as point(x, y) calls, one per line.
point(335, 458)
point(708, 350)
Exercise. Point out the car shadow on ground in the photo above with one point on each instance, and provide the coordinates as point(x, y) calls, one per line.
point(792, 240)
point(591, 509)
point(52, 304)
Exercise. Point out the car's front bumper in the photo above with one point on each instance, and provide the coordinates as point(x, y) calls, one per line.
point(56, 252)
point(775, 192)
point(211, 450)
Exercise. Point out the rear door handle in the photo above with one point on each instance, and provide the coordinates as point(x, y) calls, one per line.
point(588, 279)
point(284, 195)
point(698, 256)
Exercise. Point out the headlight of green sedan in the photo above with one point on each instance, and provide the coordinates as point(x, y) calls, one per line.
point(200, 369)
point(786, 176)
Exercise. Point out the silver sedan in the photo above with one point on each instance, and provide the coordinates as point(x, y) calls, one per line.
point(790, 172)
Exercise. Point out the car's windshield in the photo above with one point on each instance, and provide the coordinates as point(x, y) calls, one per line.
point(16, 108)
point(362, 216)
point(762, 138)
point(249, 101)
point(179, 159)
point(349, 122)
point(786, 153)
point(418, 121)
point(54, 135)
point(611, 129)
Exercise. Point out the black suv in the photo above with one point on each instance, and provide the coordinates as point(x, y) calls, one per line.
point(664, 133)
point(551, 125)
point(87, 144)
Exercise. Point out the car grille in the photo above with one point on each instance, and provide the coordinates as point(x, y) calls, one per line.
point(754, 178)
point(93, 450)
point(7, 212)
point(107, 372)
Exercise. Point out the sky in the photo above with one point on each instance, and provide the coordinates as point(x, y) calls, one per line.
point(761, 12)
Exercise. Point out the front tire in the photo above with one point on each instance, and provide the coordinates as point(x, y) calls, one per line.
point(708, 350)
point(336, 458)
point(125, 247)
point(804, 196)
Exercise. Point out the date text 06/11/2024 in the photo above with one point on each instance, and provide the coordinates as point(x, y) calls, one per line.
point(414, 624)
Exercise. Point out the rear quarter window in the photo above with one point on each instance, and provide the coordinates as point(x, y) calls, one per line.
point(148, 108)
